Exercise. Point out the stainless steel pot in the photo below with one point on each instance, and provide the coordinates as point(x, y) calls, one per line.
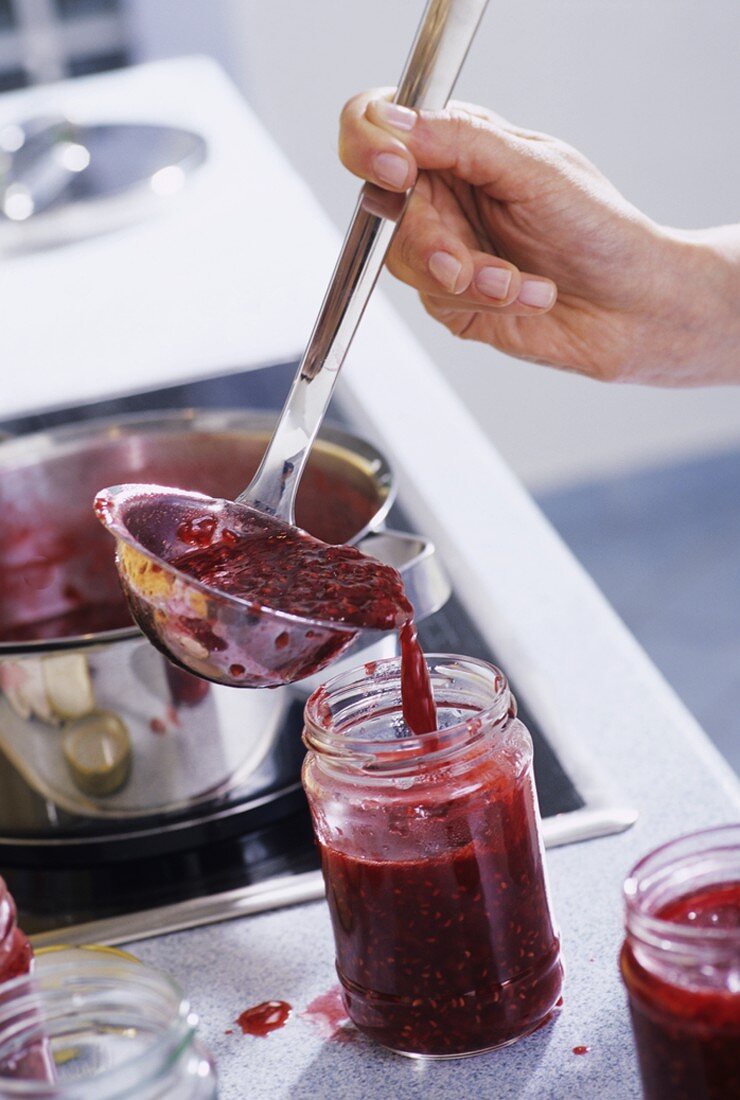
point(97, 730)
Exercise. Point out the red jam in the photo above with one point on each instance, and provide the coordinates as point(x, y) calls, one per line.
point(455, 953)
point(263, 1018)
point(419, 710)
point(328, 1014)
point(283, 568)
point(15, 950)
point(687, 1031)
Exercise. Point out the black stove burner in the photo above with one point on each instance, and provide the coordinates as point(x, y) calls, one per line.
point(60, 895)
point(68, 884)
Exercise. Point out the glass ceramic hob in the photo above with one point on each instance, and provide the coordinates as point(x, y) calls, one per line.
point(253, 851)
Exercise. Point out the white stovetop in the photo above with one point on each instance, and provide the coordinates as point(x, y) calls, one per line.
point(233, 274)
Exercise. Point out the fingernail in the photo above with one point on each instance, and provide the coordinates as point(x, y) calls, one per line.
point(400, 118)
point(391, 168)
point(494, 282)
point(445, 269)
point(536, 293)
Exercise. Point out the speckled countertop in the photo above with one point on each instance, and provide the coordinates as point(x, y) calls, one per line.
point(581, 670)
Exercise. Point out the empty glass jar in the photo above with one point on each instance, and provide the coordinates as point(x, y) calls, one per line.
point(93, 1025)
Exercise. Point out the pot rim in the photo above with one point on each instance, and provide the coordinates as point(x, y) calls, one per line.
point(29, 448)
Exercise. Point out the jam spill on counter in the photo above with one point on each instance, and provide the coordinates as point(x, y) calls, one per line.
point(263, 1018)
point(688, 1037)
point(280, 567)
point(328, 1015)
point(453, 953)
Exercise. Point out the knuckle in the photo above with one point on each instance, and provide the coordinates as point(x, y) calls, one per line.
point(406, 248)
point(349, 111)
point(396, 265)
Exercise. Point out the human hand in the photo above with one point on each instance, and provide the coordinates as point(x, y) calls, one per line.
point(515, 239)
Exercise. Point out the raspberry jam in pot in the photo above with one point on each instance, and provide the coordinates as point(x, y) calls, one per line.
point(432, 856)
point(15, 950)
point(681, 965)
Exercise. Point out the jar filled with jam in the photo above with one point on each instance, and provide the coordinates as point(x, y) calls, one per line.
point(681, 965)
point(432, 857)
point(15, 950)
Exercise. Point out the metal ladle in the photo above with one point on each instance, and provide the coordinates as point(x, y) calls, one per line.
point(224, 637)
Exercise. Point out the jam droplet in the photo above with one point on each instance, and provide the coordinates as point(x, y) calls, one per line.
point(263, 1018)
point(197, 532)
point(236, 670)
point(581, 1050)
point(157, 726)
point(282, 639)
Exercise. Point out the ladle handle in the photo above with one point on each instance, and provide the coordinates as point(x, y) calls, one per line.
point(441, 44)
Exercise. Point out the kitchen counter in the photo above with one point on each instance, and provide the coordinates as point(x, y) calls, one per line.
point(232, 274)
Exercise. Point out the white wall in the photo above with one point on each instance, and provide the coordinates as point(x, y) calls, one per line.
point(647, 88)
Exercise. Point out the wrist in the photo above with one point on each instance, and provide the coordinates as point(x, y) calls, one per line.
point(699, 307)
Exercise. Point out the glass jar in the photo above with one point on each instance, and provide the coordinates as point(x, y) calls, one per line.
point(681, 965)
point(15, 950)
point(92, 1025)
point(433, 862)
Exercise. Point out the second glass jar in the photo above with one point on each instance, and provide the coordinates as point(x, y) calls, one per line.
point(433, 860)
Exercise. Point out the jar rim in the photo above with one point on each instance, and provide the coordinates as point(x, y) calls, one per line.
point(652, 871)
point(49, 985)
point(384, 676)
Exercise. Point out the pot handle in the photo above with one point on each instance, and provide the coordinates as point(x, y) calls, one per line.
point(416, 559)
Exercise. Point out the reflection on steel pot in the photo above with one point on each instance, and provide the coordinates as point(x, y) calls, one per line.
point(69, 652)
point(57, 574)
